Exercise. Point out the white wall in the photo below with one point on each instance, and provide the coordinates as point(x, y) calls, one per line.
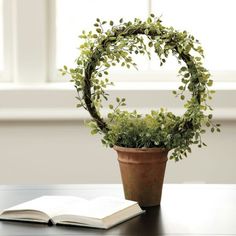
point(64, 152)
point(43, 140)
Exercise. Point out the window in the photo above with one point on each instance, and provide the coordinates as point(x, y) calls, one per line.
point(211, 22)
point(72, 18)
point(44, 35)
point(1, 36)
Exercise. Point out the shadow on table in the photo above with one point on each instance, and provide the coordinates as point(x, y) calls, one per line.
point(150, 223)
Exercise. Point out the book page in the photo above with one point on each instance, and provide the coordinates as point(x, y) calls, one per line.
point(97, 208)
point(105, 206)
point(47, 204)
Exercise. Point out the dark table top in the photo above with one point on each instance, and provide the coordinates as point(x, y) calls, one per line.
point(185, 210)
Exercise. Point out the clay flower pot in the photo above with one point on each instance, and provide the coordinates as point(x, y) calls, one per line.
point(142, 172)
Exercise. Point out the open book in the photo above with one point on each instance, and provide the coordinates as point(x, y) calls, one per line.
point(102, 212)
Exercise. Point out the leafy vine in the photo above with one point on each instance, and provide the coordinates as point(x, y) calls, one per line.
point(105, 48)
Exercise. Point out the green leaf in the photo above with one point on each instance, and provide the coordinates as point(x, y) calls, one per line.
point(94, 131)
point(146, 31)
point(210, 116)
point(188, 48)
point(149, 20)
point(210, 83)
point(183, 68)
point(186, 75)
point(99, 30)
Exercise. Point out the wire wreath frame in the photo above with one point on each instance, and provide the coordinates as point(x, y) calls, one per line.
point(117, 43)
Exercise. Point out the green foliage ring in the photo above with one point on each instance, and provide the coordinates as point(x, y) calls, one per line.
point(106, 48)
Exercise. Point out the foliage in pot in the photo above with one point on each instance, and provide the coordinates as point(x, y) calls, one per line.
point(103, 49)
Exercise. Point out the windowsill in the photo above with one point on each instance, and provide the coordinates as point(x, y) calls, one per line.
point(74, 114)
point(56, 101)
point(130, 85)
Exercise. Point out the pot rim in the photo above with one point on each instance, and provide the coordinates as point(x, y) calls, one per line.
point(140, 150)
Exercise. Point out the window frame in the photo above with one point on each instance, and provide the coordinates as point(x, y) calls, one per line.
point(8, 68)
point(25, 41)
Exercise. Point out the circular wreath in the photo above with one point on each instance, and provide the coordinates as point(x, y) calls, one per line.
point(106, 48)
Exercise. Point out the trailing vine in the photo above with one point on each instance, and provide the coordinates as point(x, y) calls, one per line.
point(115, 45)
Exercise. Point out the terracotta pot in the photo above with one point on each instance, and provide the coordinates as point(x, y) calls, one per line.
point(142, 173)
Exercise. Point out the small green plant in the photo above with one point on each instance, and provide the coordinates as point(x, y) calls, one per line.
point(115, 44)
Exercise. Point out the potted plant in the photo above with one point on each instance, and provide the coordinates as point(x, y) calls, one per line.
point(143, 141)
